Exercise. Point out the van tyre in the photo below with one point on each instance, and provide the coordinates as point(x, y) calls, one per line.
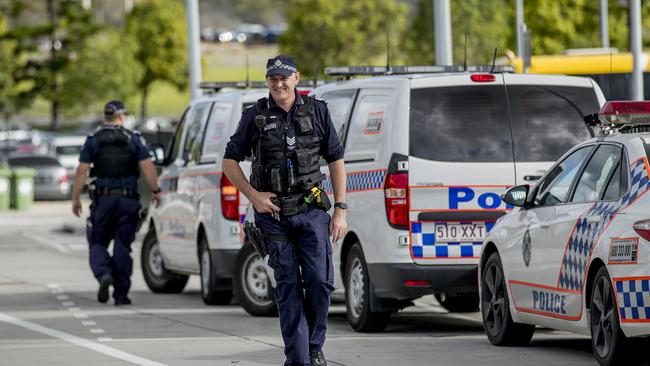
point(497, 320)
point(357, 295)
point(610, 345)
point(252, 283)
point(209, 295)
point(464, 303)
point(157, 277)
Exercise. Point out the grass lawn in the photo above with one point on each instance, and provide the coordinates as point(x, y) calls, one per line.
point(219, 63)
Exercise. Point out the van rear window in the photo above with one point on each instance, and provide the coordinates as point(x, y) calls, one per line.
point(460, 124)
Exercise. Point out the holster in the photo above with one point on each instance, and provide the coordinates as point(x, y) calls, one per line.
point(257, 238)
point(291, 205)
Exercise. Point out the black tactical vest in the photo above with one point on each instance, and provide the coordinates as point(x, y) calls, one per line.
point(286, 164)
point(113, 157)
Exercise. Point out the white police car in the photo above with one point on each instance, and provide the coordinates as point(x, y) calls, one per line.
point(575, 252)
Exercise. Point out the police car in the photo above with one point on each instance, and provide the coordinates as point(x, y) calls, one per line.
point(428, 152)
point(573, 254)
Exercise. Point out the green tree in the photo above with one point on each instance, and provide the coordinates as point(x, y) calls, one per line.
point(342, 32)
point(158, 30)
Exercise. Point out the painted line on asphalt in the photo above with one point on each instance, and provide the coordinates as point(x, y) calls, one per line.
point(47, 242)
point(97, 331)
point(109, 351)
point(89, 323)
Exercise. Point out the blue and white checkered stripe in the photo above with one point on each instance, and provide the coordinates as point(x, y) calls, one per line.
point(633, 298)
point(424, 244)
point(585, 234)
point(359, 181)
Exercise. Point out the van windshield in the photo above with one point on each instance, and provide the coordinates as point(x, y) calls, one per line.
point(460, 124)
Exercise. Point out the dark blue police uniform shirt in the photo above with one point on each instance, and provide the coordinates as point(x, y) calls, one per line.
point(241, 144)
point(139, 151)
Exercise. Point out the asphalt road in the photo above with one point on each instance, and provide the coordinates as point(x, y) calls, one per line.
point(49, 316)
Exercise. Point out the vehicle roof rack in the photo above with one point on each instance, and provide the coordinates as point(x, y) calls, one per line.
point(351, 71)
point(215, 86)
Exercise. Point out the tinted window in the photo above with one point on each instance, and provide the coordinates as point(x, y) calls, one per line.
point(176, 141)
point(464, 124)
point(340, 105)
point(548, 120)
point(216, 128)
point(30, 161)
point(68, 150)
point(193, 137)
point(555, 186)
point(598, 174)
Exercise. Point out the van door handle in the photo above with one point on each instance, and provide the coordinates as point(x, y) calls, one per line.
point(545, 225)
point(532, 177)
point(594, 219)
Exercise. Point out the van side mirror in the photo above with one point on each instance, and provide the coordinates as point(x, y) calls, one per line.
point(157, 153)
point(516, 196)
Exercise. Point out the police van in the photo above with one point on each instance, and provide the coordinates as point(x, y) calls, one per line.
point(197, 227)
point(428, 153)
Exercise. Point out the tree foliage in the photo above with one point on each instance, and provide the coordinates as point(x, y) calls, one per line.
point(342, 32)
point(158, 30)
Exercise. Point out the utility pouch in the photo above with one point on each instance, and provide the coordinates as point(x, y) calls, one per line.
point(304, 124)
point(256, 176)
point(307, 161)
point(260, 121)
point(324, 202)
point(276, 180)
point(318, 198)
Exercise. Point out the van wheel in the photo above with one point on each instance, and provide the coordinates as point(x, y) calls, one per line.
point(610, 345)
point(463, 303)
point(157, 277)
point(357, 295)
point(252, 283)
point(497, 321)
point(209, 295)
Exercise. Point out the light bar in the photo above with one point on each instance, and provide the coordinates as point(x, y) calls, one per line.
point(218, 85)
point(405, 70)
point(625, 113)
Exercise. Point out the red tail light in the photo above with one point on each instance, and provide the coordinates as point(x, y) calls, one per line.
point(304, 92)
point(643, 229)
point(483, 78)
point(416, 283)
point(229, 199)
point(396, 195)
point(65, 178)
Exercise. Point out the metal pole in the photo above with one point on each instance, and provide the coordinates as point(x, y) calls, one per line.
point(604, 24)
point(519, 10)
point(194, 47)
point(636, 85)
point(442, 26)
point(128, 6)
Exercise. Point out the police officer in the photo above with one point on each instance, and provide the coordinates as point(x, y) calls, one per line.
point(287, 133)
point(116, 153)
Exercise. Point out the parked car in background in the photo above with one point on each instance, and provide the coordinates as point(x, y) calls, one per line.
point(52, 181)
point(66, 149)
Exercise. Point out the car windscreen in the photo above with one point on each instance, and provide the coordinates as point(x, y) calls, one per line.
point(460, 124)
point(32, 161)
point(68, 150)
point(547, 120)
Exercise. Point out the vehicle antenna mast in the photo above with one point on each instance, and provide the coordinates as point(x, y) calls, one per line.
point(494, 60)
point(465, 57)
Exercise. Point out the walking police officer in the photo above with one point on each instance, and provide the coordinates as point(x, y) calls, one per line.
point(287, 133)
point(115, 153)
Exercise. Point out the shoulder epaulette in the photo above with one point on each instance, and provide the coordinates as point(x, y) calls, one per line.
point(320, 99)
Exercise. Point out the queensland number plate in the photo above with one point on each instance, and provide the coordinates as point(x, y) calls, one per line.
point(446, 233)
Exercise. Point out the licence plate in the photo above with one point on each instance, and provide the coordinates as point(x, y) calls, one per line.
point(446, 233)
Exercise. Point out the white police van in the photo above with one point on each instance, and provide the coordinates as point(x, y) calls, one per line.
point(197, 227)
point(574, 254)
point(428, 153)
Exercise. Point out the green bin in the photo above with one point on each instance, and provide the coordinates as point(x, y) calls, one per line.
point(5, 184)
point(22, 188)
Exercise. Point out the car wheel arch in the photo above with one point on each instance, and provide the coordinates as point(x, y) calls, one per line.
point(200, 234)
point(490, 248)
point(593, 269)
point(350, 239)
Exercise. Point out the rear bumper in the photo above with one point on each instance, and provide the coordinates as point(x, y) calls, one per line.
point(223, 262)
point(389, 279)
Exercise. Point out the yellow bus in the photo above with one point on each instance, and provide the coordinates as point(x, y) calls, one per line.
point(612, 71)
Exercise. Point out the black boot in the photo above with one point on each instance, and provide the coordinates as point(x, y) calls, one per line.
point(104, 284)
point(317, 359)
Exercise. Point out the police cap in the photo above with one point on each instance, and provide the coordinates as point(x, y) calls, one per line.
point(114, 108)
point(281, 65)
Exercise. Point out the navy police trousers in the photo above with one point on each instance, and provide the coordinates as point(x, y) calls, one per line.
point(113, 218)
point(304, 277)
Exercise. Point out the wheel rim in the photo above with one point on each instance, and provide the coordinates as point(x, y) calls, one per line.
point(205, 271)
point(155, 260)
point(602, 318)
point(494, 303)
point(355, 288)
point(257, 283)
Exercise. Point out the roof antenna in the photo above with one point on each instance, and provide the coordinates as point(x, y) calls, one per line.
point(388, 71)
point(465, 58)
point(494, 60)
point(248, 78)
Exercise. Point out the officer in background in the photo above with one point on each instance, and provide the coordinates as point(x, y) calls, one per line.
point(288, 133)
point(116, 154)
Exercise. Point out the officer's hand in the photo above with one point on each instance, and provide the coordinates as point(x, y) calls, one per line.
point(262, 202)
point(338, 224)
point(76, 207)
point(155, 199)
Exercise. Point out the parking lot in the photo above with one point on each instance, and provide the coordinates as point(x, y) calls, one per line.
point(48, 314)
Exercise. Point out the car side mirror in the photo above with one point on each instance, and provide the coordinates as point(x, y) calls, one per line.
point(157, 153)
point(516, 196)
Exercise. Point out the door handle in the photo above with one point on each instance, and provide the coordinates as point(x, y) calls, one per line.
point(532, 177)
point(545, 225)
point(594, 219)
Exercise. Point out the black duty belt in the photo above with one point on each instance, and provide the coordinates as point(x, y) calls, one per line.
point(291, 205)
point(105, 191)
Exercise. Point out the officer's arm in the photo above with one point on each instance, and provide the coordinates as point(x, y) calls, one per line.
point(337, 174)
point(80, 179)
point(150, 175)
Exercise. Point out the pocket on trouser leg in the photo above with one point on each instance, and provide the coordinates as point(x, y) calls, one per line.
point(281, 259)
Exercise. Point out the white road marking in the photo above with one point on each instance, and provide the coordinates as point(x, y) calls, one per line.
point(109, 351)
point(52, 285)
point(80, 315)
point(62, 297)
point(67, 303)
point(104, 339)
point(89, 323)
point(74, 309)
point(47, 242)
point(97, 331)
point(56, 291)
point(77, 246)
